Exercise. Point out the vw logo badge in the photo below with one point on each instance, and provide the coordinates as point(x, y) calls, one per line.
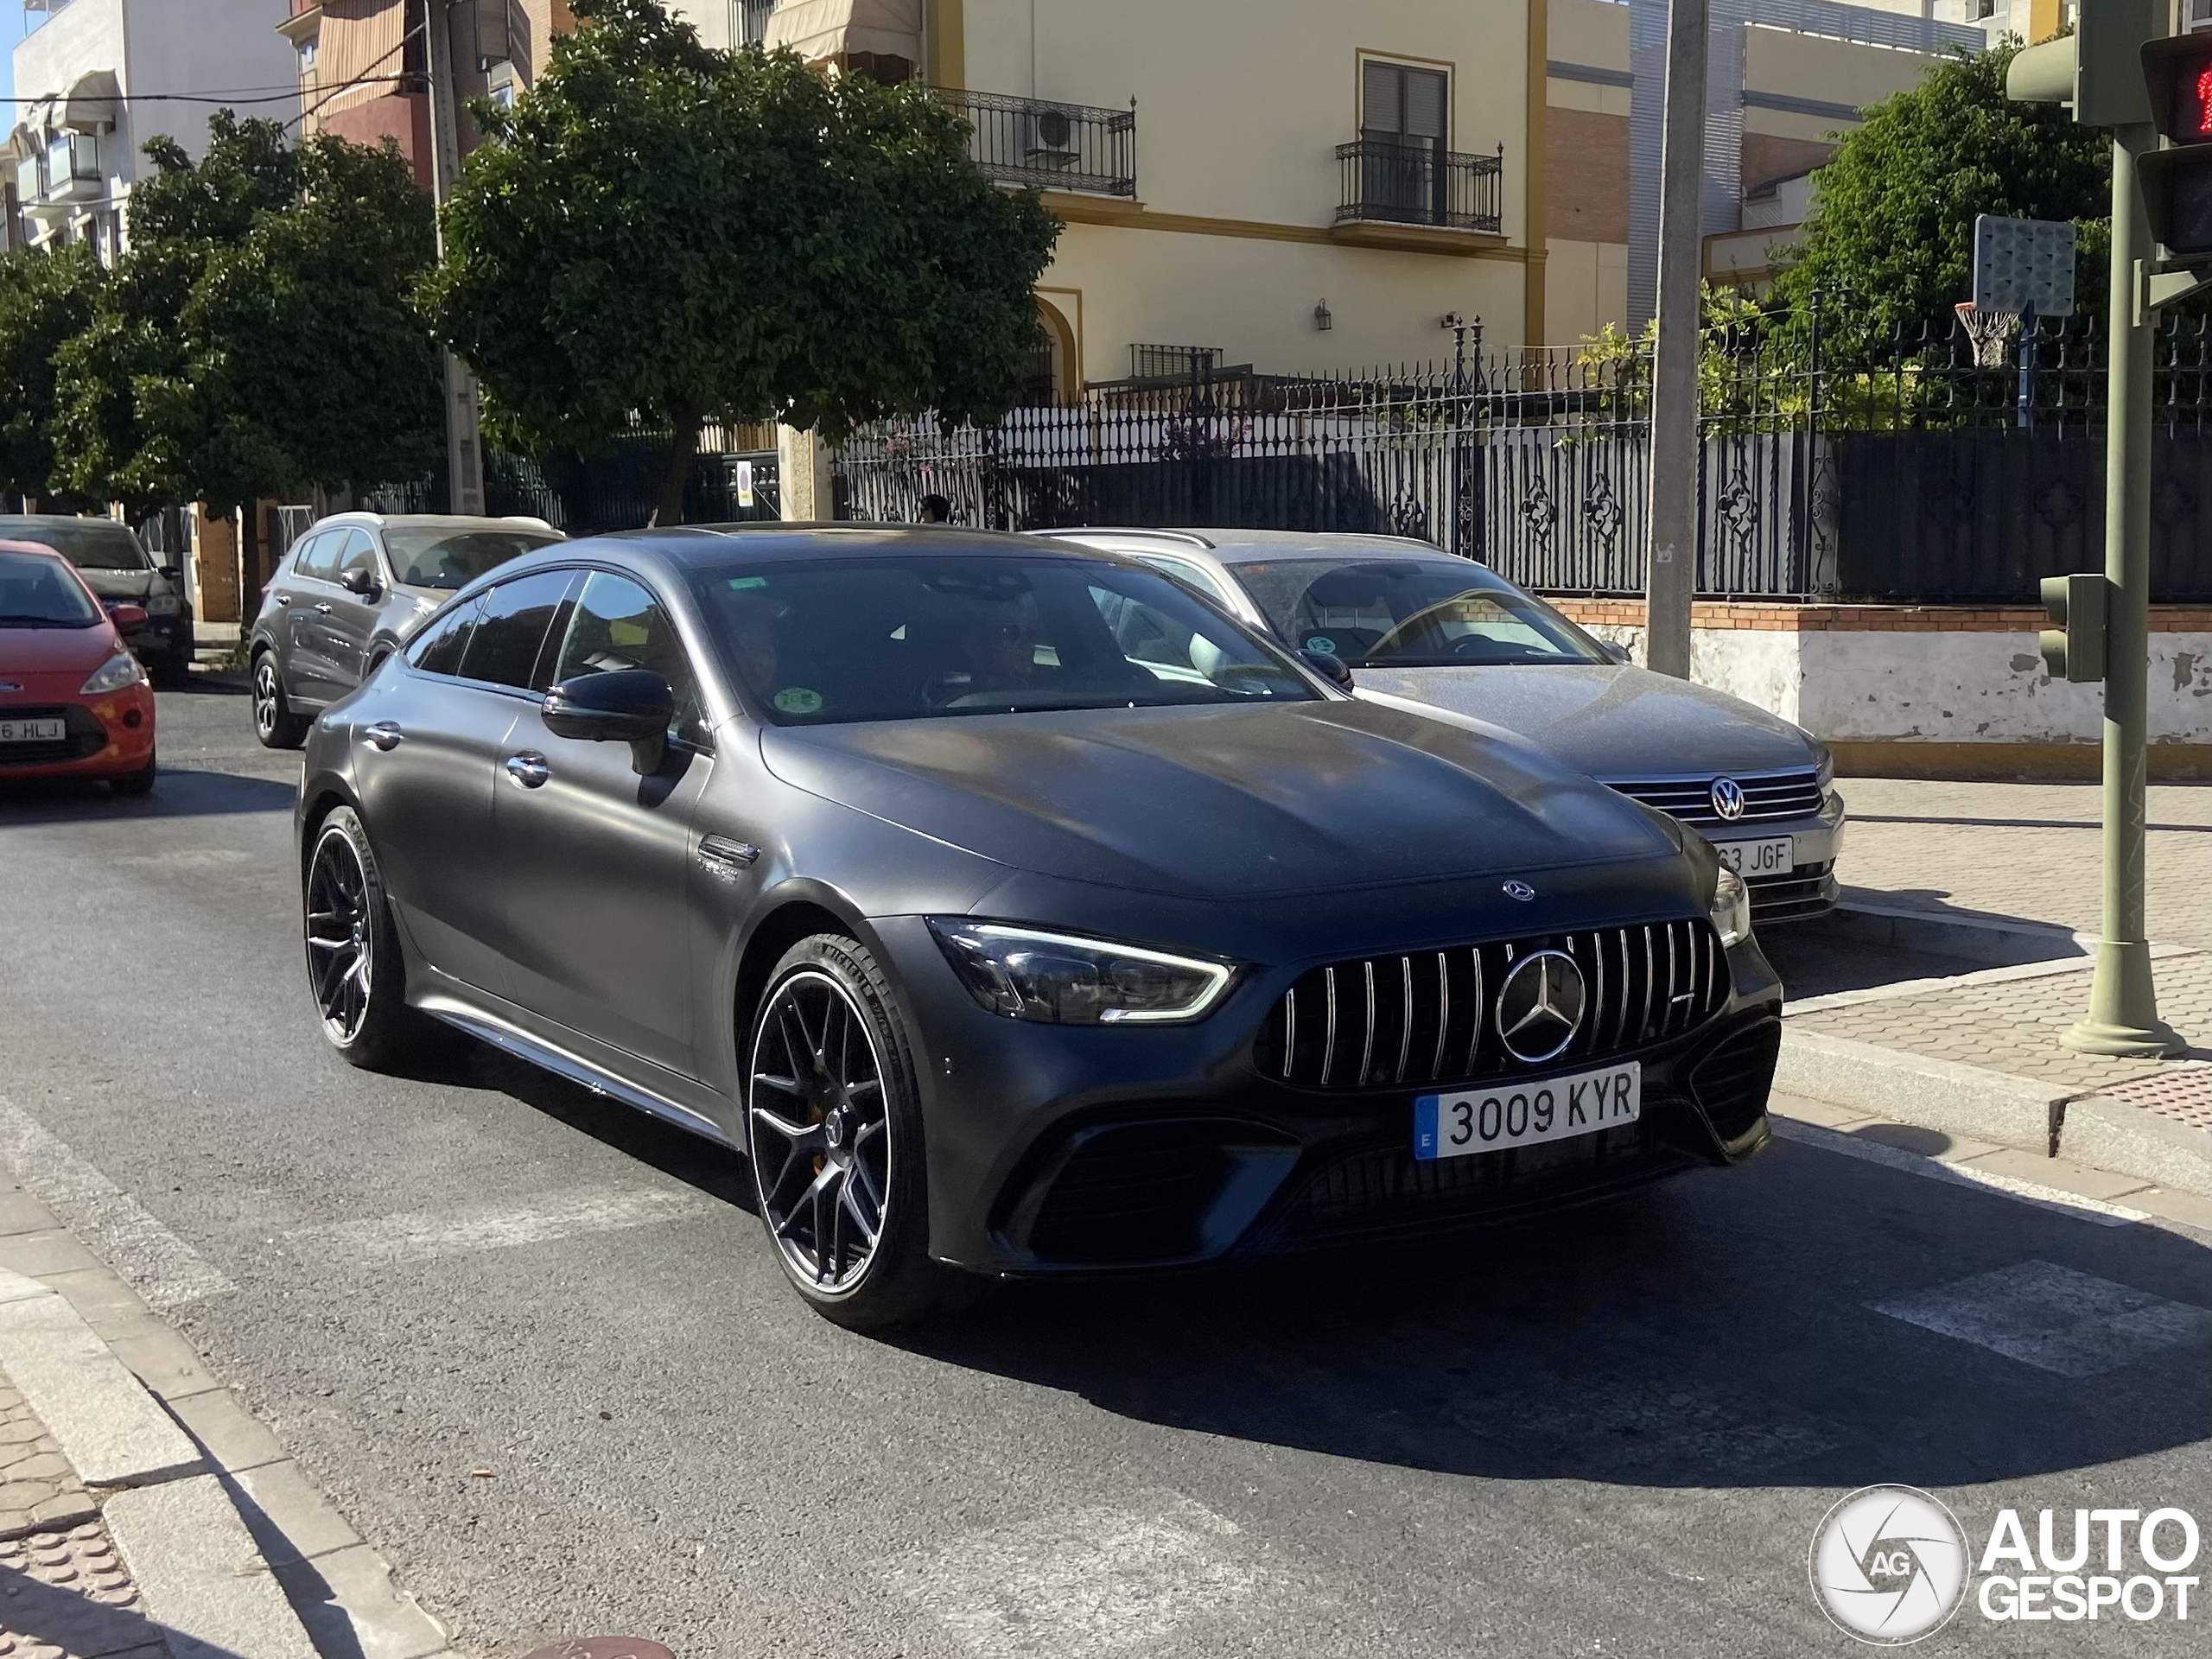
point(1520, 890)
point(1540, 1006)
point(1727, 799)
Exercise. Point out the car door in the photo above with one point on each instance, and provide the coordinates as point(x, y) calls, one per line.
point(595, 858)
point(429, 782)
point(347, 619)
point(296, 590)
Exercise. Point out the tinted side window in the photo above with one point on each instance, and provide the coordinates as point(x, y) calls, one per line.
point(318, 557)
point(358, 554)
point(439, 649)
point(504, 648)
point(616, 625)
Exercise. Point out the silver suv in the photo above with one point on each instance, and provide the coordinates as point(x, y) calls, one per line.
point(351, 591)
point(117, 567)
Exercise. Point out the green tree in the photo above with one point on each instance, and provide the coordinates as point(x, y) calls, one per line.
point(1890, 244)
point(259, 337)
point(44, 300)
point(666, 232)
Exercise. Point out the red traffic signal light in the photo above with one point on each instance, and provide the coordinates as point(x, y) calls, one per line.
point(2177, 182)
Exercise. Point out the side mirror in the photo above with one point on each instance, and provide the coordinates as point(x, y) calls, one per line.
point(127, 616)
point(173, 572)
point(1328, 666)
point(359, 580)
point(1615, 652)
point(629, 705)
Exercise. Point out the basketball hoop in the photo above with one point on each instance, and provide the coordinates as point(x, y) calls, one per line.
point(1988, 331)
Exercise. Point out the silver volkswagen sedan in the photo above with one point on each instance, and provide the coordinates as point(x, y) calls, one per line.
point(1417, 626)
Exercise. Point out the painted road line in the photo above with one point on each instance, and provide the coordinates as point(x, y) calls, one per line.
point(1093, 1580)
point(2099, 1211)
point(164, 1269)
point(2054, 1318)
point(425, 1236)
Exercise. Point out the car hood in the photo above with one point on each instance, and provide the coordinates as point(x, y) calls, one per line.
point(1221, 802)
point(1609, 720)
point(54, 651)
point(123, 584)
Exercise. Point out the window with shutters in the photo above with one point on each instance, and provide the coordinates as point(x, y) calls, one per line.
point(1401, 168)
point(1402, 102)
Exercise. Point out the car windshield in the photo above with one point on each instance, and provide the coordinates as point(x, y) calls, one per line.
point(423, 557)
point(906, 637)
point(88, 543)
point(1410, 613)
point(35, 593)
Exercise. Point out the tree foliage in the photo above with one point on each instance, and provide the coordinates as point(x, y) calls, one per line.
point(259, 337)
point(44, 300)
point(661, 230)
point(1890, 246)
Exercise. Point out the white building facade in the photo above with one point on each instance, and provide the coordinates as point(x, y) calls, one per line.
point(96, 79)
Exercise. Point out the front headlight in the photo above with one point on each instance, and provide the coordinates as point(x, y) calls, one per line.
point(119, 671)
point(1731, 909)
point(160, 604)
point(1823, 765)
point(1026, 974)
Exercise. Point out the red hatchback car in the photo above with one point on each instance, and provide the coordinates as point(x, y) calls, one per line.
point(73, 700)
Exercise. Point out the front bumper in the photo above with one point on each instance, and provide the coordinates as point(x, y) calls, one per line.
point(105, 737)
point(1056, 1150)
point(1808, 888)
point(161, 636)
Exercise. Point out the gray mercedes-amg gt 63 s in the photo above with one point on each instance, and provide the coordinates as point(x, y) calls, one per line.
point(1014, 911)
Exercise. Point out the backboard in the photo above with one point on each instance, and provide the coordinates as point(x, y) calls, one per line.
point(2024, 264)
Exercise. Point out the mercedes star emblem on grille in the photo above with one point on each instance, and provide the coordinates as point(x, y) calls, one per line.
point(1727, 799)
point(1520, 890)
point(1540, 1006)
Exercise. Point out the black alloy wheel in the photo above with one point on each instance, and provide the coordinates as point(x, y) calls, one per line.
point(274, 723)
point(833, 1136)
point(355, 972)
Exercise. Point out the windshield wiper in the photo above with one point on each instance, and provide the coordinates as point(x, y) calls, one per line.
point(7, 621)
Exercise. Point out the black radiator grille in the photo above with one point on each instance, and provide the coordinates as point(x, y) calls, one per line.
point(1766, 800)
point(83, 735)
point(1732, 1082)
point(1430, 1016)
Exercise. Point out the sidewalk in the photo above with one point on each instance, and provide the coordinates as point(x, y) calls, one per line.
point(2008, 872)
point(144, 1512)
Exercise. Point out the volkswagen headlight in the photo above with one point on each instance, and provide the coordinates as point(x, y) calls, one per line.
point(1731, 909)
point(1823, 765)
point(1028, 974)
point(119, 671)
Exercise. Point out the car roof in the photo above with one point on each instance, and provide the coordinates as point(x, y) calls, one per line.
point(692, 545)
point(428, 521)
point(1227, 546)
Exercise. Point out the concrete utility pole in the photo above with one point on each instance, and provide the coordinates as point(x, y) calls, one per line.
point(464, 439)
point(1670, 555)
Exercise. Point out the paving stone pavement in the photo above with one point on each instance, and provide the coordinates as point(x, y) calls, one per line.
point(38, 1488)
point(67, 1595)
point(2023, 850)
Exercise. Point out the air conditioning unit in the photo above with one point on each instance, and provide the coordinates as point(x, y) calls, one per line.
point(1048, 137)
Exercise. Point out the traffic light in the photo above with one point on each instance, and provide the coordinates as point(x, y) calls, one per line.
point(2095, 69)
point(2177, 182)
point(2075, 648)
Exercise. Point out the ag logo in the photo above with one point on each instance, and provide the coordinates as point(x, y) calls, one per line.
point(1889, 1565)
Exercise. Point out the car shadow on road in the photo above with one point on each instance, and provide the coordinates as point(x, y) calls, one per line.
point(177, 794)
point(1720, 1332)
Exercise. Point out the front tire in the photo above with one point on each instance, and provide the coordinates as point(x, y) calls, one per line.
point(140, 782)
point(274, 723)
point(833, 1131)
point(355, 972)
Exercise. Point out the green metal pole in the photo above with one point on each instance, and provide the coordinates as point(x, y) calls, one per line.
point(2123, 1016)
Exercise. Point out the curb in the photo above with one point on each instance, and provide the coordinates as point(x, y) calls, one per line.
point(198, 1570)
point(1996, 942)
point(1970, 1101)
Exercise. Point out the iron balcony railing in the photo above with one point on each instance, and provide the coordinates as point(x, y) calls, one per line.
point(1052, 146)
point(1417, 181)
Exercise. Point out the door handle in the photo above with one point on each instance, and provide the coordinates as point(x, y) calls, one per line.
point(529, 768)
point(322, 610)
point(283, 599)
point(384, 734)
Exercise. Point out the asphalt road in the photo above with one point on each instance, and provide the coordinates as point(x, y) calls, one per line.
point(1613, 1433)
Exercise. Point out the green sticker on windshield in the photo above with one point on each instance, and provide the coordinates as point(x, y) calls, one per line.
point(748, 581)
point(799, 700)
point(1322, 642)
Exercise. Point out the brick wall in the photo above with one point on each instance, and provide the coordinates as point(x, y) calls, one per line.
point(1860, 619)
point(1586, 176)
point(1766, 156)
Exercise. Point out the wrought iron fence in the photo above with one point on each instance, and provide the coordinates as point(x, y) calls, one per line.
point(1417, 181)
point(1052, 146)
point(1916, 475)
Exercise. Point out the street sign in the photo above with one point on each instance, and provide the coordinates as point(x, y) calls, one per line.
point(2079, 604)
point(2177, 182)
point(2024, 266)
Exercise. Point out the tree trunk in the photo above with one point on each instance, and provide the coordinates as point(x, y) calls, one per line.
point(682, 450)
